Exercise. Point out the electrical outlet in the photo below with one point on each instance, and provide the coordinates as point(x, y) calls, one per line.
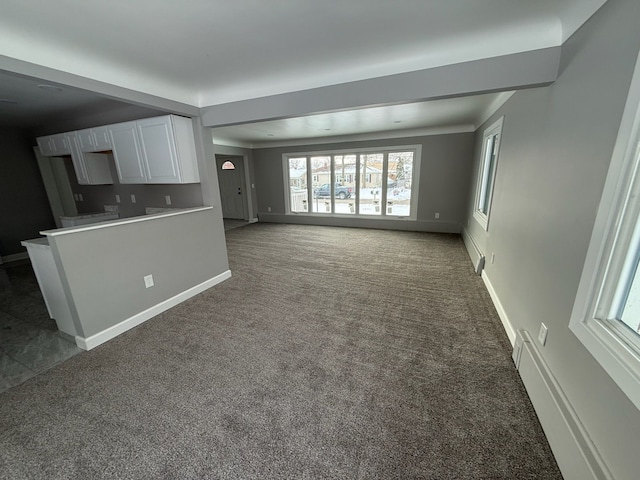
point(117, 198)
point(148, 281)
point(493, 257)
point(167, 198)
point(268, 209)
point(542, 336)
point(437, 214)
point(133, 198)
point(75, 197)
point(80, 197)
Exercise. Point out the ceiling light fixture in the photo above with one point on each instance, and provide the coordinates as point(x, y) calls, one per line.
point(269, 134)
point(397, 121)
point(50, 88)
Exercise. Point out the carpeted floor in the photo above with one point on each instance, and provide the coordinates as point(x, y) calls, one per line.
point(330, 353)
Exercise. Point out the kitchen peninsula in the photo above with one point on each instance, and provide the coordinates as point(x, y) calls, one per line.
point(103, 279)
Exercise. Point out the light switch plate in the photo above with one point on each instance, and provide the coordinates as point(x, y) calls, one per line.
point(148, 281)
point(133, 198)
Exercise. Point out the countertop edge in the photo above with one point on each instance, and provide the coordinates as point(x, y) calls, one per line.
point(122, 221)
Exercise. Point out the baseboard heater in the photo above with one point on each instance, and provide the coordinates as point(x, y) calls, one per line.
point(477, 257)
point(577, 456)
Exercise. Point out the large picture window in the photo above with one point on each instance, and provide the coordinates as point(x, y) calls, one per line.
point(487, 174)
point(379, 182)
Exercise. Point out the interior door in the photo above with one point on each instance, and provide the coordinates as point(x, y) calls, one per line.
point(232, 187)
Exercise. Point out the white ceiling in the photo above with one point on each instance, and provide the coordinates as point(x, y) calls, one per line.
point(207, 52)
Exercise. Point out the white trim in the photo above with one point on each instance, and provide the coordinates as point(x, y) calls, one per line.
point(502, 313)
point(495, 129)
point(105, 335)
point(577, 456)
point(115, 223)
point(253, 220)
point(610, 241)
point(415, 179)
point(359, 137)
point(14, 257)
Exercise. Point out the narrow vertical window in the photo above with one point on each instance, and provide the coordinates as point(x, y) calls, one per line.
point(487, 174)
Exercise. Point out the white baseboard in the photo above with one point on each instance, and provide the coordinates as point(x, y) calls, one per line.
point(577, 456)
point(99, 338)
point(14, 257)
point(506, 323)
point(253, 220)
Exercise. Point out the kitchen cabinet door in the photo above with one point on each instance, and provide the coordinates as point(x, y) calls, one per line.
point(46, 146)
point(77, 159)
point(61, 146)
point(86, 140)
point(54, 145)
point(159, 150)
point(168, 149)
point(126, 152)
point(101, 138)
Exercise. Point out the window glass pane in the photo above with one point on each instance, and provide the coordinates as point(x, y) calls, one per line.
point(631, 311)
point(321, 173)
point(298, 184)
point(370, 197)
point(488, 168)
point(345, 187)
point(399, 176)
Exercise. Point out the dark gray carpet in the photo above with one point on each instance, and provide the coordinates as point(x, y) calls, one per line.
point(331, 353)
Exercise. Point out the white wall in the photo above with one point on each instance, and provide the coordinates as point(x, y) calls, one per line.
point(556, 146)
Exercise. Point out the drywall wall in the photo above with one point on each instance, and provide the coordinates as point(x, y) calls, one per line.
point(103, 268)
point(445, 174)
point(24, 207)
point(96, 196)
point(556, 146)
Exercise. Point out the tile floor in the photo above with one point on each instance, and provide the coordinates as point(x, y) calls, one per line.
point(29, 339)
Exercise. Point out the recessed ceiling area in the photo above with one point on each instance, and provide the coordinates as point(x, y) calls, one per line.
point(436, 116)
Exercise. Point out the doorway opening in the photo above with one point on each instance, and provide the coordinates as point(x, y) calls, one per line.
point(233, 188)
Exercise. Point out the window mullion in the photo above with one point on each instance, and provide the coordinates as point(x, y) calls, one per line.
point(385, 183)
point(332, 190)
point(309, 186)
point(358, 189)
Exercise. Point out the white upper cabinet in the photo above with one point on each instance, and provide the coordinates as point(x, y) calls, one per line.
point(155, 150)
point(152, 150)
point(54, 145)
point(126, 152)
point(94, 139)
point(90, 168)
point(102, 138)
point(168, 149)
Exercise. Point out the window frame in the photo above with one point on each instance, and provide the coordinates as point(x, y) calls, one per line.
point(415, 180)
point(607, 270)
point(486, 181)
